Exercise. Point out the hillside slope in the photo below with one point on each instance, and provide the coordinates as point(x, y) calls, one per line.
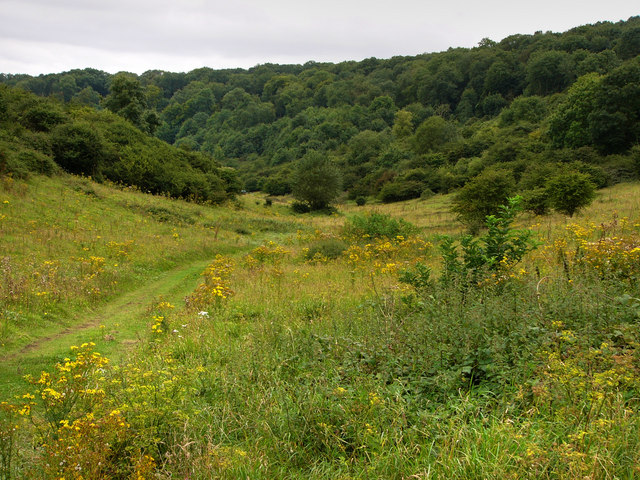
point(44, 136)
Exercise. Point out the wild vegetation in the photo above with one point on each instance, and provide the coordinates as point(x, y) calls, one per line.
point(529, 106)
point(43, 136)
point(203, 332)
point(378, 342)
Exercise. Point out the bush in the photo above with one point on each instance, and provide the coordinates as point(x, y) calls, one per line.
point(616, 168)
point(300, 207)
point(606, 172)
point(10, 164)
point(569, 192)
point(500, 249)
point(42, 118)
point(277, 186)
point(401, 190)
point(361, 201)
point(536, 201)
point(524, 109)
point(482, 196)
point(77, 148)
point(377, 225)
point(330, 248)
point(37, 162)
point(426, 194)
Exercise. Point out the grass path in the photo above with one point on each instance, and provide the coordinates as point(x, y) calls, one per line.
point(114, 327)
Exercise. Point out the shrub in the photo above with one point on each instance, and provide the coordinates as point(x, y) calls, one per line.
point(300, 207)
point(9, 164)
point(26, 161)
point(42, 118)
point(37, 162)
point(401, 190)
point(606, 172)
point(377, 225)
point(426, 194)
point(77, 148)
point(361, 201)
point(499, 250)
point(569, 192)
point(277, 186)
point(330, 248)
point(482, 196)
point(536, 201)
point(614, 168)
point(524, 109)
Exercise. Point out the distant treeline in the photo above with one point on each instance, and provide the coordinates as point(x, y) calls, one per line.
point(396, 128)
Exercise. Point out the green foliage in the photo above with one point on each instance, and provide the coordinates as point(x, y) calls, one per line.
point(326, 249)
point(506, 77)
point(78, 148)
point(492, 105)
point(615, 123)
point(300, 207)
point(377, 225)
point(100, 144)
point(401, 190)
point(433, 133)
point(524, 109)
point(570, 192)
point(127, 99)
point(482, 196)
point(569, 125)
point(42, 117)
point(628, 45)
point(403, 125)
point(366, 146)
point(536, 201)
point(364, 114)
point(419, 277)
point(277, 186)
point(500, 248)
point(20, 160)
point(37, 162)
point(549, 72)
point(316, 181)
point(601, 111)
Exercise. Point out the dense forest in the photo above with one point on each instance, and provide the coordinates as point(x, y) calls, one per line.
point(521, 110)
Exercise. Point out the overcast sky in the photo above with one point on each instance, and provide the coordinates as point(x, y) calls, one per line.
point(51, 36)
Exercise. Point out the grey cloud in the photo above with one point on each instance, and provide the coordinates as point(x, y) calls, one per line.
point(245, 31)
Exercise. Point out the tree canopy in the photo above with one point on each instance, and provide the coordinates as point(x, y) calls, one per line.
point(394, 128)
point(316, 181)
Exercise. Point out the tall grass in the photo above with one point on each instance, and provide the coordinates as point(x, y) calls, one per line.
point(332, 367)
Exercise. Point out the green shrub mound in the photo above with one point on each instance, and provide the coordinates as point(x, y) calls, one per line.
point(329, 248)
point(377, 225)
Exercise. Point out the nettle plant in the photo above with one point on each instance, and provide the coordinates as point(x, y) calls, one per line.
point(496, 252)
point(481, 261)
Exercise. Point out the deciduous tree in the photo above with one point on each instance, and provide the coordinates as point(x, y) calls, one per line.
point(316, 180)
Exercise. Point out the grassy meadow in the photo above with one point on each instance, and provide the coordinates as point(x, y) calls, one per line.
point(168, 340)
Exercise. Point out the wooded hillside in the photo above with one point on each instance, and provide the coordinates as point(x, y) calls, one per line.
point(43, 136)
point(401, 127)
